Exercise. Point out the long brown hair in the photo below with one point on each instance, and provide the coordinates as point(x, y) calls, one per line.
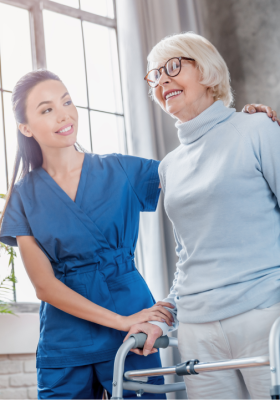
point(29, 153)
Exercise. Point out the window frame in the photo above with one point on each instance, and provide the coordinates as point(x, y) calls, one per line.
point(36, 7)
point(38, 52)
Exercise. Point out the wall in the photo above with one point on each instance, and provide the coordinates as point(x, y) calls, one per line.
point(19, 335)
point(18, 378)
point(247, 34)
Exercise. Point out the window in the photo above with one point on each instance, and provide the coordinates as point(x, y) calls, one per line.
point(76, 39)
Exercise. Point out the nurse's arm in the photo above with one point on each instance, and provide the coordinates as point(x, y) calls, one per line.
point(51, 290)
point(252, 108)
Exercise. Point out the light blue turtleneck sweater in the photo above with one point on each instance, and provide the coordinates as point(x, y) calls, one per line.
point(221, 192)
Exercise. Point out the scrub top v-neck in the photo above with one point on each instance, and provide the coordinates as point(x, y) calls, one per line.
point(81, 185)
point(75, 206)
point(90, 243)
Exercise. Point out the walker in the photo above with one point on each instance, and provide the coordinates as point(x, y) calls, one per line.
point(136, 380)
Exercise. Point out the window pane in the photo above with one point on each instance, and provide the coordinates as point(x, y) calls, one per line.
point(24, 288)
point(7, 295)
point(11, 133)
point(3, 181)
point(15, 45)
point(107, 133)
point(65, 55)
point(70, 3)
point(4, 261)
point(100, 7)
point(83, 131)
point(102, 68)
point(2, 203)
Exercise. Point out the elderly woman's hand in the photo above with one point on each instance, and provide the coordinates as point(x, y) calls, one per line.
point(252, 108)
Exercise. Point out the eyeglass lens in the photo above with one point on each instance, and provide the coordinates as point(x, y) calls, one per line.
point(172, 69)
point(173, 66)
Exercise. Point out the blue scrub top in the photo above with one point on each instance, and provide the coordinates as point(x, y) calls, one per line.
point(90, 244)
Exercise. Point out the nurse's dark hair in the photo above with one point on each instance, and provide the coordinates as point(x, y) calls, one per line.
point(29, 153)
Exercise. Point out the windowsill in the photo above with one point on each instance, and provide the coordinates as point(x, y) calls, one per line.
point(19, 334)
point(25, 307)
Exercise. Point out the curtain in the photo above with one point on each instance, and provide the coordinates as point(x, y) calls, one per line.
point(150, 132)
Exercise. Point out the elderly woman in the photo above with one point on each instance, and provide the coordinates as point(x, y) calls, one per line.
point(222, 191)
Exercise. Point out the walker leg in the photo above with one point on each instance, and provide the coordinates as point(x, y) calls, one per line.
point(274, 355)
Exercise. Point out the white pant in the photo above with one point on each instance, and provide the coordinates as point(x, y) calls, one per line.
point(245, 335)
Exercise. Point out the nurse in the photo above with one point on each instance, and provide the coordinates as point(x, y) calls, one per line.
point(75, 218)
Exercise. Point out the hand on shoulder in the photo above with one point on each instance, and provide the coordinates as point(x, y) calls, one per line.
point(261, 108)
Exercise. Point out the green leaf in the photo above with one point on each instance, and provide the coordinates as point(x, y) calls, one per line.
point(6, 289)
point(7, 284)
point(5, 309)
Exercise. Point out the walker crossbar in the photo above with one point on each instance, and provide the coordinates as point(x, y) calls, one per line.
point(190, 367)
point(198, 368)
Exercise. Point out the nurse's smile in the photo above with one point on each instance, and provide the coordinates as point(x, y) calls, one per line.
point(66, 130)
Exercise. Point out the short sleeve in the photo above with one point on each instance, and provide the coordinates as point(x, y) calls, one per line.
point(144, 179)
point(14, 222)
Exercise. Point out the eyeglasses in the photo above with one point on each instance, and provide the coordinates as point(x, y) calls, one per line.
point(172, 68)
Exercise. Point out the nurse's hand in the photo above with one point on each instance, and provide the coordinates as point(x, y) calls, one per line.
point(253, 108)
point(156, 313)
point(153, 332)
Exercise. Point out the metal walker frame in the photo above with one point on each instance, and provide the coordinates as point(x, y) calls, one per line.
point(136, 380)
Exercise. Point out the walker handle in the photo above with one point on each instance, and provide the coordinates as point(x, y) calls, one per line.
point(140, 339)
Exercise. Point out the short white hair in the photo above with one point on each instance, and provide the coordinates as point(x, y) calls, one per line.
point(209, 61)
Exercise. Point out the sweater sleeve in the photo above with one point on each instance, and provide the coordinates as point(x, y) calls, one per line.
point(172, 296)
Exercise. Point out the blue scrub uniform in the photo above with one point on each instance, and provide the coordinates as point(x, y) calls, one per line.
point(90, 244)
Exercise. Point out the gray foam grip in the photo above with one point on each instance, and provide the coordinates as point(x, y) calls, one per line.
point(140, 339)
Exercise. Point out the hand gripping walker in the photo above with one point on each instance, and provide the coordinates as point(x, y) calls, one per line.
point(136, 380)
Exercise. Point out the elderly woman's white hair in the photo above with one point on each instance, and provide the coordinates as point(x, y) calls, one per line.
point(213, 68)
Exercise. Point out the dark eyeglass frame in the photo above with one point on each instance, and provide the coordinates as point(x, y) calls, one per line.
point(165, 69)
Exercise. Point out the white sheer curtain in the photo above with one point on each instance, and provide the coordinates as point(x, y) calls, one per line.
point(150, 132)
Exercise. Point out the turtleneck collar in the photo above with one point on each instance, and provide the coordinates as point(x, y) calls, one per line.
point(192, 130)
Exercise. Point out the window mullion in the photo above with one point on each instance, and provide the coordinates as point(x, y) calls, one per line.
point(121, 80)
point(26, 4)
point(38, 36)
point(86, 75)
